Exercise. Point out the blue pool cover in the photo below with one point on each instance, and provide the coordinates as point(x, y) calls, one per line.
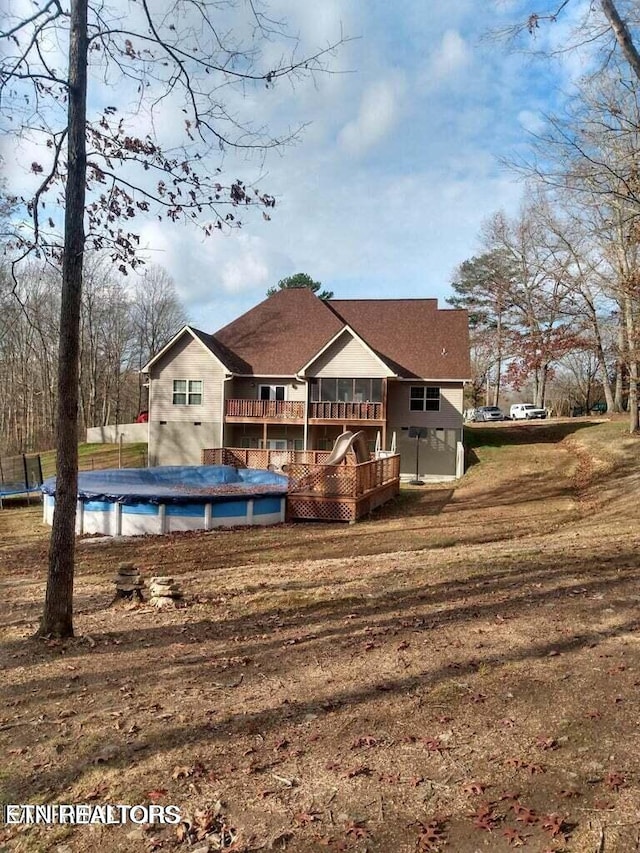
point(174, 484)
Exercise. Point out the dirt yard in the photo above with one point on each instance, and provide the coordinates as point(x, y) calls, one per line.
point(459, 673)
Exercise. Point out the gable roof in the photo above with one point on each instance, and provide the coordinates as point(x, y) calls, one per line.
point(282, 333)
point(231, 360)
point(346, 330)
point(206, 340)
point(413, 336)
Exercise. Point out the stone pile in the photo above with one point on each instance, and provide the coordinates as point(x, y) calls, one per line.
point(164, 592)
point(129, 583)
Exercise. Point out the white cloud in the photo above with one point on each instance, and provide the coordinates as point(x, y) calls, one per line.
point(380, 110)
point(532, 122)
point(451, 57)
point(394, 222)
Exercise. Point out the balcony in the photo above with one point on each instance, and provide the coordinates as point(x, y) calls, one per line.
point(346, 412)
point(241, 411)
point(292, 411)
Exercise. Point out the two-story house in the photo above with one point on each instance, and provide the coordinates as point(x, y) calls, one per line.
point(296, 371)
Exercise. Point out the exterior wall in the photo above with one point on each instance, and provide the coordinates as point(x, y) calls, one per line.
point(187, 359)
point(347, 358)
point(323, 437)
point(437, 452)
point(249, 389)
point(131, 433)
point(400, 415)
point(181, 443)
point(250, 435)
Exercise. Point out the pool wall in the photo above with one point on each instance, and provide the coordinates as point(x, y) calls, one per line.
point(117, 519)
point(112, 503)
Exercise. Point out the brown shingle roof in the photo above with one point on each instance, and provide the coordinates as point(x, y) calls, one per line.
point(231, 361)
point(281, 334)
point(414, 336)
point(284, 332)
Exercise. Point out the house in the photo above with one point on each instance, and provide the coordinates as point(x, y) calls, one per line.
point(295, 371)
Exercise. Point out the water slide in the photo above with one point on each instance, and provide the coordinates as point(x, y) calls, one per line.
point(345, 442)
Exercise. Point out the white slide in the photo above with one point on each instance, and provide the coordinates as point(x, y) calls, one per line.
point(344, 443)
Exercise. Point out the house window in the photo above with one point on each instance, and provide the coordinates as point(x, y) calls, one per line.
point(272, 392)
point(424, 398)
point(348, 390)
point(187, 392)
point(345, 390)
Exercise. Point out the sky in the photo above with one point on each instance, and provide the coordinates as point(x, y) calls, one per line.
point(399, 163)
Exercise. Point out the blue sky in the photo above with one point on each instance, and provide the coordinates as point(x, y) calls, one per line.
point(398, 166)
point(386, 191)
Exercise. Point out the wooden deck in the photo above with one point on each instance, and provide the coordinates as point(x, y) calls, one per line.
point(319, 492)
point(293, 412)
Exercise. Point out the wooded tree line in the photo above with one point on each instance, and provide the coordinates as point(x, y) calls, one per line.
point(554, 293)
point(121, 326)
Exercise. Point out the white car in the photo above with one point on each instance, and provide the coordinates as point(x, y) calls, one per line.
point(526, 412)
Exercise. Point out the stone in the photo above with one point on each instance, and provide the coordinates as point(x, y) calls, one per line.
point(164, 602)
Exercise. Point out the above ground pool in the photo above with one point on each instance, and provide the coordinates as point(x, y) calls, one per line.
point(135, 501)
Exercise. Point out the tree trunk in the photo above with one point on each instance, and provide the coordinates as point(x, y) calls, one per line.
point(622, 34)
point(632, 349)
point(57, 618)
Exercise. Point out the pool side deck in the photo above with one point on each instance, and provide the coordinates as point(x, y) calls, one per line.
point(319, 492)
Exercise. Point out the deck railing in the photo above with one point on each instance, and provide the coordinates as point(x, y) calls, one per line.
point(294, 410)
point(250, 457)
point(265, 409)
point(346, 411)
point(307, 473)
point(350, 481)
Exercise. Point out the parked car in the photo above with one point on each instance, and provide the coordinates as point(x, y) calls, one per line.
point(526, 412)
point(489, 413)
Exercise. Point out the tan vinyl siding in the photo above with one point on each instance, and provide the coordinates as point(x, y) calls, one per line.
point(249, 389)
point(187, 359)
point(400, 415)
point(347, 358)
point(437, 452)
point(180, 443)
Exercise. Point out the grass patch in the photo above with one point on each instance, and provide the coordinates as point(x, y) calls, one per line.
point(342, 686)
point(98, 456)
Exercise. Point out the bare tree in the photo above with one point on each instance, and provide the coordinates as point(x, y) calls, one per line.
point(157, 314)
point(483, 286)
point(178, 55)
point(537, 297)
point(605, 25)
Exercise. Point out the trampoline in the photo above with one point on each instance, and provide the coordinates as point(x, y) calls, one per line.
point(20, 475)
point(138, 501)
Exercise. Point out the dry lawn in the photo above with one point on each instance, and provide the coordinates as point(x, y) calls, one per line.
point(459, 673)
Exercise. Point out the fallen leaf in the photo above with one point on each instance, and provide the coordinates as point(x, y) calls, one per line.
point(432, 835)
point(474, 788)
point(357, 829)
point(364, 742)
point(514, 838)
point(614, 780)
point(156, 794)
point(360, 770)
point(305, 818)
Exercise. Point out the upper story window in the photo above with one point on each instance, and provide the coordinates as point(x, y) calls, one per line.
point(187, 392)
point(272, 392)
point(347, 390)
point(424, 398)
